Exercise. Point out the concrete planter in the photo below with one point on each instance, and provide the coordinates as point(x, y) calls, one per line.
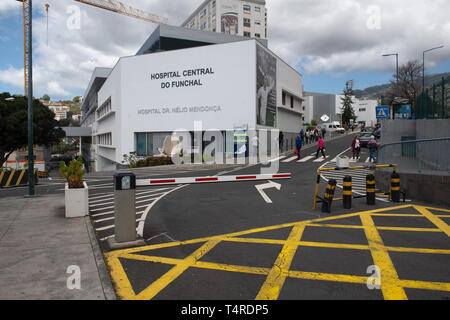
point(77, 201)
point(343, 162)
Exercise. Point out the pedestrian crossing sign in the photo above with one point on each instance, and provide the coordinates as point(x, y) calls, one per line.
point(383, 112)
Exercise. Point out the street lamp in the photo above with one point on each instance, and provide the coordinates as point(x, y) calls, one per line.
point(423, 74)
point(396, 55)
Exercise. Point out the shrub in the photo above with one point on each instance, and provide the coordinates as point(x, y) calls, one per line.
point(73, 173)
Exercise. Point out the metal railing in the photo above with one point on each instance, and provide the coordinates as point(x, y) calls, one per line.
point(418, 156)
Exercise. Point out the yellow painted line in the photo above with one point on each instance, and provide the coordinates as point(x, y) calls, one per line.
point(2, 174)
point(118, 275)
point(20, 177)
point(151, 291)
point(435, 220)
point(435, 286)
point(275, 280)
point(327, 277)
point(389, 277)
point(418, 250)
point(437, 209)
point(409, 229)
point(10, 178)
point(255, 240)
point(395, 215)
point(443, 216)
point(221, 237)
point(343, 226)
point(231, 268)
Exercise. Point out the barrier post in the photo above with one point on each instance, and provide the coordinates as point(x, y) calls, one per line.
point(347, 192)
point(125, 207)
point(370, 189)
point(329, 195)
point(395, 187)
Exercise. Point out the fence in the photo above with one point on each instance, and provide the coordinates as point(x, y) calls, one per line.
point(434, 103)
point(418, 156)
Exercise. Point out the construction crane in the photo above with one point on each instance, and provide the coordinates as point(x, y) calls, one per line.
point(110, 5)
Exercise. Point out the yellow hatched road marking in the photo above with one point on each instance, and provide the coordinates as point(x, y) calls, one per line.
point(435, 220)
point(275, 280)
point(2, 174)
point(392, 287)
point(151, 291)
point(389, 277)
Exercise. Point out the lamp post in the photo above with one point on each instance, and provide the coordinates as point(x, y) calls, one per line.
point(31, 189)
point(423, 75)
point(396, 55)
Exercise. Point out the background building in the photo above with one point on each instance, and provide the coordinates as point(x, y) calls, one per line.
point(246, 18)
point(225, 83)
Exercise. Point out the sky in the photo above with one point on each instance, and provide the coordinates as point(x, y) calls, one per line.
point(327, 41)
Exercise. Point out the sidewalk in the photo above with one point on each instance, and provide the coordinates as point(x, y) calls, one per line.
point(38, 244)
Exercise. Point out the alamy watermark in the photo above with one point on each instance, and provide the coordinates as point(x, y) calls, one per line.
point(74, 280)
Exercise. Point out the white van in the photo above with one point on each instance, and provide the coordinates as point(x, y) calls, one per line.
point(333, 127)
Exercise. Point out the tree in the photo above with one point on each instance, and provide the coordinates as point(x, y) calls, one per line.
point(409, 84)
point(347, 108)
point(46, 97)
point(314, 123)
point(14, 125)
point(76, 99)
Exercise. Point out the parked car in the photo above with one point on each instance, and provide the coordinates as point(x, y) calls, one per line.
point(365, 138)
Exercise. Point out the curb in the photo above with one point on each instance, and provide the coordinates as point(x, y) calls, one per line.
point(107, 287)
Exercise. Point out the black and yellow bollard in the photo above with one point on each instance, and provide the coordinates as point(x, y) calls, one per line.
point(329, 195)
point(395, 187)
point(347, 192)
point(370, 189)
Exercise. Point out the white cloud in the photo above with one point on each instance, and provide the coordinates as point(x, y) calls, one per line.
point(318, 35)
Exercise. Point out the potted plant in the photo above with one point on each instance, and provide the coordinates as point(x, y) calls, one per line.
point(343, 162)
point(76, 190)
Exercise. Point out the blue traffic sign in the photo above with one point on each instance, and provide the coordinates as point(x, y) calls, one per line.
point(382, 112)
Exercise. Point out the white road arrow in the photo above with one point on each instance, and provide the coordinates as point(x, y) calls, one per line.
point(269, 185)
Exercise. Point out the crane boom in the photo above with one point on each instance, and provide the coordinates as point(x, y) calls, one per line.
point(110, 5)
point(119, 7)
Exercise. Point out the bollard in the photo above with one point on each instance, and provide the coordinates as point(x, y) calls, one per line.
point(329, 195)
point(347, 192)
point(395, 187)
point(125, 207)
point(370, 189)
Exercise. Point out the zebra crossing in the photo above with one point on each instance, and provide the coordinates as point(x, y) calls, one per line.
point(312, 157)
point(358, 177)
point(101, 209)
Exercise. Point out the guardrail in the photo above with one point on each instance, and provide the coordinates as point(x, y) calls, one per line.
point(422, 156)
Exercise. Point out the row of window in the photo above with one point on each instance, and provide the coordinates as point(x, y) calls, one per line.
point(291, 100)
point(105, 139)
point(248, 8)
point(104, 109)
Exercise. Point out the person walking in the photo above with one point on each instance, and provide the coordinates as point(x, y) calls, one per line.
point(373, 146)
point(302, 135)
point(299, 145)
point(307, 136)
point(321, 148)
point(281, 140)
point(324, 132)
point(356, 147)
point(316, 134)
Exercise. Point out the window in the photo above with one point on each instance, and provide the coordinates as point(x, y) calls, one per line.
point(247, 34)
point(257, 35)
point(247, 22)
point(203, 13)
point(362, 110)
point(257, 9)
point(213, 4)
point(257, 22)
point(283, 98)
point(292, 102)
point(105, 139)
point(247, 8)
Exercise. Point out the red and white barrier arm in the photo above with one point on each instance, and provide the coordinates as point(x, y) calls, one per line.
point(216, 179)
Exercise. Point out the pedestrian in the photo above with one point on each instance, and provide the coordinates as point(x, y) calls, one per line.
point(324, 132)
point(316, 134)
point(281, 140)
point(307, 136)
point(302, 135)
point(356, 147)
point(373, 146)
point(298, 145)
point(321, 148)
